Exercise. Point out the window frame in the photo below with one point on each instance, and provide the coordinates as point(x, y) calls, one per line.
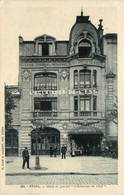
point(53, 101)
point(84, 73)
point(47, 81)
point(83, 48)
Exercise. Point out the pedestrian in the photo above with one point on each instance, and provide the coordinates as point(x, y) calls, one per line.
point(55, 150)
point(51, 151)
point(63, 151)
point(25, 155)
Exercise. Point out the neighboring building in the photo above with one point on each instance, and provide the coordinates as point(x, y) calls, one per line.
point(69, 87)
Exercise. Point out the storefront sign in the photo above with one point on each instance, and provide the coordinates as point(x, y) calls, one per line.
point(70, 92)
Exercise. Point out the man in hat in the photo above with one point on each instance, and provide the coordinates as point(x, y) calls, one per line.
point(25, 155)
point(63, 151)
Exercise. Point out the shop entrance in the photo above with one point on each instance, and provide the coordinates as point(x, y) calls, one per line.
point(43, 139)
point(86, 144)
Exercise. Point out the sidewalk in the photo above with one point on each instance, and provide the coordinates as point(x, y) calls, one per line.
point(70, 165)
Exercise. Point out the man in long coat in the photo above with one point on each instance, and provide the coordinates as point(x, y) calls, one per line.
point(25, 155)
point(63, 151)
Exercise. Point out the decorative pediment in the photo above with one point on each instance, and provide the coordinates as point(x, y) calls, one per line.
point(45, 38)
point(110, 75)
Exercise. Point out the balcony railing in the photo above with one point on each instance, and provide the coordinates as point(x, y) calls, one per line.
point(44, 114)
point(85, 113)
point(72, 114)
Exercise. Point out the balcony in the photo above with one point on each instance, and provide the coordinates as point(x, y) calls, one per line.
point(44, 114)
point(89, 114)
point(69, 115)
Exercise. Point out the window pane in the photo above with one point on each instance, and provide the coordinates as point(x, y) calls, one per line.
point(82, 105)
point(75, 79)
point(94, 78)
point(40, 49)
point(45, 104)
point(46, 81)
point(37, 105)
point(84, 49)
point(94, 102)
point(45, 49)
point(75, 103)
point(85, 103)
point(85, 78)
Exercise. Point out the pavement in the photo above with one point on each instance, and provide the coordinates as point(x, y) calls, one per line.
point(86, 165)
point(56, 172)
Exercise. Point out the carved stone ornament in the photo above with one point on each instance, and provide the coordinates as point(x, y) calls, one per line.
point(26, 75)
point(64, 74)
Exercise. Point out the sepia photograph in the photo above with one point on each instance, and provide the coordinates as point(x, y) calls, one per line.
point(60, 83)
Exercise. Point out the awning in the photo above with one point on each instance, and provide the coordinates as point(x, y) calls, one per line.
point(86, 130)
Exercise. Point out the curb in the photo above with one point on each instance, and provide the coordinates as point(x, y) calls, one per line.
point(59, 173)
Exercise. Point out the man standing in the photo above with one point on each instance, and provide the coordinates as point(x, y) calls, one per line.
point(51, 151)
point(55, 150)
point(63, 151)
point(25, 155)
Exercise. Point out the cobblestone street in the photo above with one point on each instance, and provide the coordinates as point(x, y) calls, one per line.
point(56, 171)
point(80, 180)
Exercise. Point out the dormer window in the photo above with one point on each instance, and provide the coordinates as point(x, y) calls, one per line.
point(45, 49)
point(84, 49)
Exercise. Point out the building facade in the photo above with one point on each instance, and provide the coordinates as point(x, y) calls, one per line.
point(67, 88)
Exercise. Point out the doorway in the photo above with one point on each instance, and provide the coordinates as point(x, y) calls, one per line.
point(46, 138)
point(86, 144)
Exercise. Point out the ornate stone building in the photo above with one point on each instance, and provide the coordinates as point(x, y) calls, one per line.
point(67, 88)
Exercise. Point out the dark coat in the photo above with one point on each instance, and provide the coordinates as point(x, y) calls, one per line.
point(63, 150)
point(25, 154)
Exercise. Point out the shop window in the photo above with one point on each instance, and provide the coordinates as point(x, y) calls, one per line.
point(75, 79)
point(45, 104)
point(45, 81)
point(94, 78)
point(85, 79)
point(84, 49)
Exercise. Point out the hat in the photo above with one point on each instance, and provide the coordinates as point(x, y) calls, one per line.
point(25, 147)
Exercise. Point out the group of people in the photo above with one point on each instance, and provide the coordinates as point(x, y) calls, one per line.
point(53, 151)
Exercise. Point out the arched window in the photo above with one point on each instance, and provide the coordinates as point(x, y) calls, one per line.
point(45, 81)
point(75, 79)
point(84, 49)
point(94, 78)
point(85, 79)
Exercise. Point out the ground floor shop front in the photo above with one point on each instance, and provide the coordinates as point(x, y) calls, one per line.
point(44, 141)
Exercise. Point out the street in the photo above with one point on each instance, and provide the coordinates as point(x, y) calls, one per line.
point(79, 171)
point(78, 180)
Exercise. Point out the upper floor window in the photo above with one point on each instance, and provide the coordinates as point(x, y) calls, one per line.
point(85, 79)
point(75, 79)
point(84, 49)
point(94, 78)
point(85, 103)
point(94, 103)
point(45, 104)
point(45, 81)
point(45, 49)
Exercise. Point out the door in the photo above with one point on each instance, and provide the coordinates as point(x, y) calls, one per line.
point(11, 143)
